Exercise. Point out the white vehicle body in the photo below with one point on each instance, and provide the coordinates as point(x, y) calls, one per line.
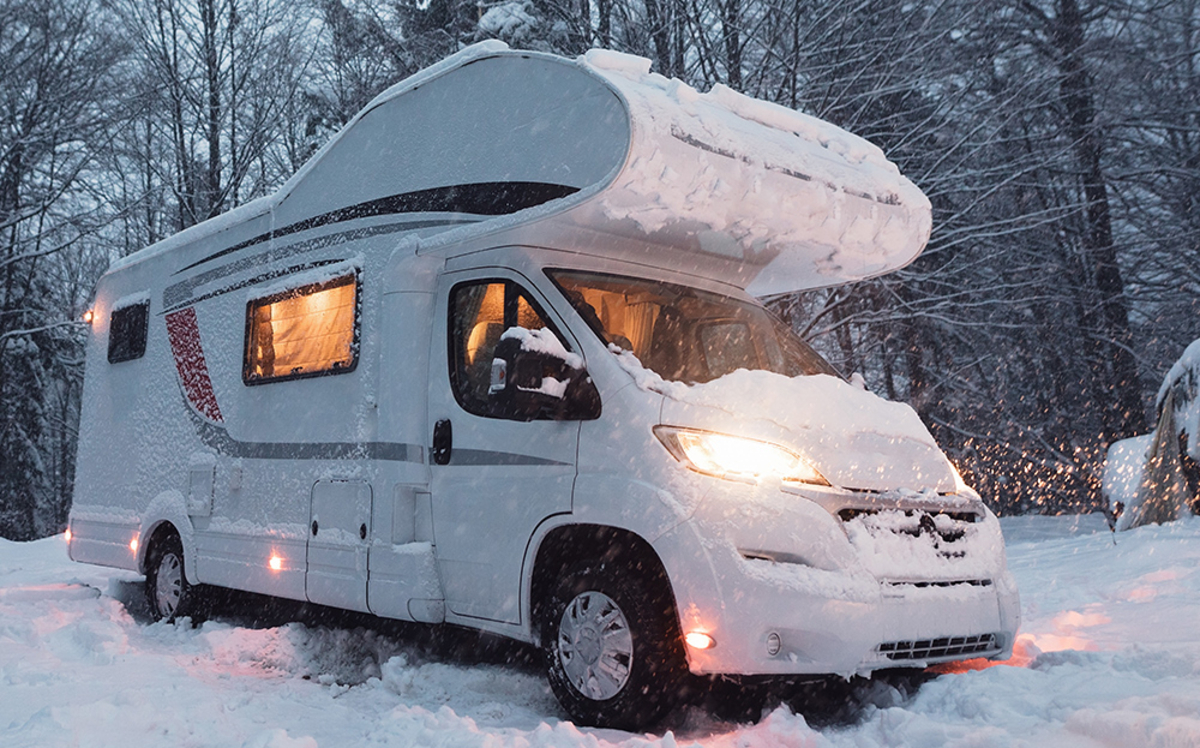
point(491, 169)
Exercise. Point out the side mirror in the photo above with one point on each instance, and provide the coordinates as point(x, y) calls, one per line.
point(530, 384)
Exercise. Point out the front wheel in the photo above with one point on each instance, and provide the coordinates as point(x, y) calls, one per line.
point(168, 593)
point(613, 652)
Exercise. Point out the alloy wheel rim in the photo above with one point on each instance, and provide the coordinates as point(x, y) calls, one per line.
point(595, 646)
point(168, 585)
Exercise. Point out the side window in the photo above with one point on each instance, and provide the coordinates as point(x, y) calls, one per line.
point(307, 331)
point(127, 332)
point(480, 312)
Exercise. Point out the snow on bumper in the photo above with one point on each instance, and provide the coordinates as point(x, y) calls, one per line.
point(813, 594)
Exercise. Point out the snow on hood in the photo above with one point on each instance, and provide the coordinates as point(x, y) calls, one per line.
point(856, 439)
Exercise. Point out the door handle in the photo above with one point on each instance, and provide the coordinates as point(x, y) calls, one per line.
point(362, 531)
point(442, 441)
point(314, 527)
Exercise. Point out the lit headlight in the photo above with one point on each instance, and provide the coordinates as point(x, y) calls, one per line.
point(736, 457)
point(960, 486)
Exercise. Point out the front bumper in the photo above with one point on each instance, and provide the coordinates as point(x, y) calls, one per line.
point(903, 626)
point(844, 621)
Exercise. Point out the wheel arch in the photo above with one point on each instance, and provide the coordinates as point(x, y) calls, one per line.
point(167, 513)
point(567, 544)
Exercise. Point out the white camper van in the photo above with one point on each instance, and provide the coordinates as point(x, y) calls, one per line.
point(494, 358)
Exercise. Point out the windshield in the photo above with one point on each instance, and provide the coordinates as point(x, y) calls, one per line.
point(684, 334)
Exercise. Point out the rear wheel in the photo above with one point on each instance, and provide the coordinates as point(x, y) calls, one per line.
point(167, 590)
point(613, 652)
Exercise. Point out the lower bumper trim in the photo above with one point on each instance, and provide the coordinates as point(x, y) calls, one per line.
point(933, 649)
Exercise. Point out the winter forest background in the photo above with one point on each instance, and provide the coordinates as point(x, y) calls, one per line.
point(1059, 141)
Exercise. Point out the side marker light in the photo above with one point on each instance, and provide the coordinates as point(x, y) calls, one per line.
point(699, 640)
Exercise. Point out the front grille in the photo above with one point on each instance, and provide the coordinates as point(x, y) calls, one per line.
point(946, 583)
point(932, 649)
point(850, 513)
point(924, 525)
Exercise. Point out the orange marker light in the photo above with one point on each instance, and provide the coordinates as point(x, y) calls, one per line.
point(67, 535)
point(89, 315)
point(133, 544)
point(276, 563)
point(699, 640)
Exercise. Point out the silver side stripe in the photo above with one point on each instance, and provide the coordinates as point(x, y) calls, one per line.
point(478, 457)
point(218, 438)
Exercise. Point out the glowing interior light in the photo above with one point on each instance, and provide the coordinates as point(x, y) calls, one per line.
point(276, 563)
point(133, 544)
point(89, 315)
point(699, 640)
point(736, 457)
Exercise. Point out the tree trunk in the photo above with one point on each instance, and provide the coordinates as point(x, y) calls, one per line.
point(730, 24)
point(1120, 387)
point(211, 204)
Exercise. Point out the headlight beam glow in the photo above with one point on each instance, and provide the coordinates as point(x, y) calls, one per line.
point(736, 457)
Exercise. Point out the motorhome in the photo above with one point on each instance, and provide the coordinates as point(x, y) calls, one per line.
point(496, 357)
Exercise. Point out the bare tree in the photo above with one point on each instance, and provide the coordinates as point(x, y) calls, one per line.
point(55, 65)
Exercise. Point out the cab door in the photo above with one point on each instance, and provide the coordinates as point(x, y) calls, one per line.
point(493, 479)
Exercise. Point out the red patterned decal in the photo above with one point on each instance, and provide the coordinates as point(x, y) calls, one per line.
point(184, 334)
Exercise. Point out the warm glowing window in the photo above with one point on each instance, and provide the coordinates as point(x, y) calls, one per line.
point(480, 312)
point(686, 334)
point(304, 332)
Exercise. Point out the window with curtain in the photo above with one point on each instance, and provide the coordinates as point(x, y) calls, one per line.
point(308, 331)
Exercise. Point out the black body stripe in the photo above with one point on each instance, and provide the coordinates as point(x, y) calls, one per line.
point(483, 198)
point(249, 282)
point(179, 294)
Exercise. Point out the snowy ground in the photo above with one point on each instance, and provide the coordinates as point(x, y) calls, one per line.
point(1109, 655)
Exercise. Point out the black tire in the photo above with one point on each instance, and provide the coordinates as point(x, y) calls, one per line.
point(613, 650)
point(168, 594)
